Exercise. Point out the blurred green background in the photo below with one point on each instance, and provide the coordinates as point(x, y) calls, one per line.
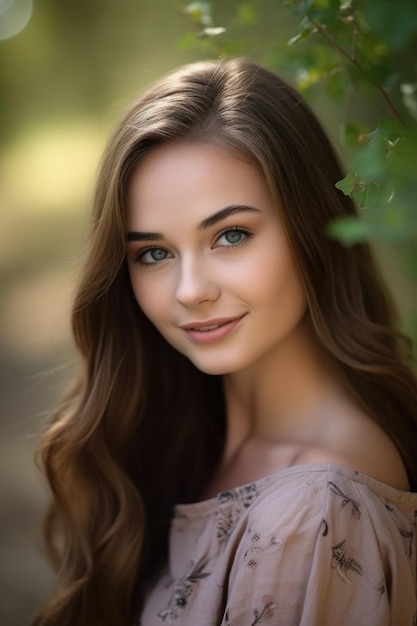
point(67, 70)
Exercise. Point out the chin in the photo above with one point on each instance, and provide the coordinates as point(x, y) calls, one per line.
point(213, 371)
point(217, 367)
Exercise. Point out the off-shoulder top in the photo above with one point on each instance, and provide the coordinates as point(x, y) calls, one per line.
point(319, 545)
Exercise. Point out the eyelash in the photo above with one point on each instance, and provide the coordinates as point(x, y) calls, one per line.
point(234, 229)
point(141, 253)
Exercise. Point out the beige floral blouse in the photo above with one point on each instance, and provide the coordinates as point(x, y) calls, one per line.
point(319, 545)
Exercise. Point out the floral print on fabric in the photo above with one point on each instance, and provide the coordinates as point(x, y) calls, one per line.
point(244, 495)
point(183, 590)
point(343, 562)
point(258, 545)
point(232, 504)
point(238, 500)
point(257, 555)
point(267, 612)
point(355, 508)
point(407, 530)
point(226, 522)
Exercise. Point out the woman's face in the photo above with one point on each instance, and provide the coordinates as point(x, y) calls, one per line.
point(208, 258)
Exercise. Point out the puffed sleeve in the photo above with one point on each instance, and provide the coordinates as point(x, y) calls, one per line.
point(324, 552)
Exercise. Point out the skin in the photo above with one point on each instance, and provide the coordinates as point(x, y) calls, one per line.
point(206, 245)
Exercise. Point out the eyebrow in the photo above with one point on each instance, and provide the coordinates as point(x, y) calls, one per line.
point(208, 222)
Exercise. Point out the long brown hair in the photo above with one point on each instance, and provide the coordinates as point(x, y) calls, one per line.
point(141, 428)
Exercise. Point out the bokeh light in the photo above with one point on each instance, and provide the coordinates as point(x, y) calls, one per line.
point(14, 15)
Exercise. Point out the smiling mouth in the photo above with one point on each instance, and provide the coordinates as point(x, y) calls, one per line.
point(208, 333)
point(204, 329)
point(210, 324)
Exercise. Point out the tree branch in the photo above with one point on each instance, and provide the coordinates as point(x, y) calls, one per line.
point(319, 28)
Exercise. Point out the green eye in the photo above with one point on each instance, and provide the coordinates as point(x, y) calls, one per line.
point(153, 256)
point(157, 254)
point(233, 236)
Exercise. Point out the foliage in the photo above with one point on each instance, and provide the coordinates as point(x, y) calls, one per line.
point(363, 40)
point(357, 52)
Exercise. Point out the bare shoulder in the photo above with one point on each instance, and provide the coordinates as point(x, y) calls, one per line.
point(360, 443)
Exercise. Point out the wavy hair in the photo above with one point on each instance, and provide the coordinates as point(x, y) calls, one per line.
point(141, 428)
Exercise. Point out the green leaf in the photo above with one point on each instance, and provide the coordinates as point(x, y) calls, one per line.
point(305, 32)
point(368, 195)
point(347, 184)
point(348, 230)
point(372, 195)
point(395, 22)
point(370, 161)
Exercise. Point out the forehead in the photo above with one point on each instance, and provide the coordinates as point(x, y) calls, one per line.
point(190, 181)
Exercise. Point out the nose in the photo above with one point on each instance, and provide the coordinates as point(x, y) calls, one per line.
point(196, 284)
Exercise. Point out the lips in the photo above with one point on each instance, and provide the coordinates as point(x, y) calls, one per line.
point(209, 324)
point(212, 330)
point(203, 329)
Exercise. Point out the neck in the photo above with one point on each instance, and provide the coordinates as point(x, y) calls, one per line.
point(283, 397)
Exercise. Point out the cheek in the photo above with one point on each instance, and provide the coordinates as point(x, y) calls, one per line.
point(149, 298)
point(274, 277)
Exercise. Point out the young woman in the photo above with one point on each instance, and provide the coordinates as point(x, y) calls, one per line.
point(240, 445)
